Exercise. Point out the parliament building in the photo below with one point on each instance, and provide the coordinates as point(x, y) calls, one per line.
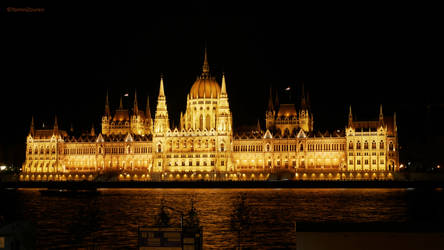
point(134, 145)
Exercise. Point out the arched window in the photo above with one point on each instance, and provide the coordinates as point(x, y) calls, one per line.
point(201, 122)
point(159, 148)
point(391, 146)
point(222, 147)
point(350, 145)
point(358, 145)
point(381, 145)
point(301, 147)
point(365, 145)
point(268, 148)
point(208, 122)
point(373, 145)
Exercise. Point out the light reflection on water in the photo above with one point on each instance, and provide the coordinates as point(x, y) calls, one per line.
point(111, 219)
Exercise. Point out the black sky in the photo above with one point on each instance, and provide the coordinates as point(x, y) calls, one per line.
point(62, 61)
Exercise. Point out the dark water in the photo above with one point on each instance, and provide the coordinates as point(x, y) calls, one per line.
point(111, 219)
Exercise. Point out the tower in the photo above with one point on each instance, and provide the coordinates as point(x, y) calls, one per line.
point(161, 121)
point(350, 117)
point(223, 116)
point(304, 115)
point(270, 113)
point(148, 118)
point(106, 118)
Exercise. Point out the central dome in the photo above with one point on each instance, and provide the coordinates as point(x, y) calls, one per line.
point(205, 87)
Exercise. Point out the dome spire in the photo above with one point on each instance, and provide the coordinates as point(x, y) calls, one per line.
point(205, 67)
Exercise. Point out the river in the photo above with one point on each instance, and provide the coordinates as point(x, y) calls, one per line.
point(111, 219)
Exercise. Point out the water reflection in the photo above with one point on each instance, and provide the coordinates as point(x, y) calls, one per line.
point(253, 218)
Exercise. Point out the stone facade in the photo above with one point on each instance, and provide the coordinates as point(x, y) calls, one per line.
point(204, 146)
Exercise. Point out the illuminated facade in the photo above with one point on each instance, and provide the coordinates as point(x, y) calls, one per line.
point(134, 146)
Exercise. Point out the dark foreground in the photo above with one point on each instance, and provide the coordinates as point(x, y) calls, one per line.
point(279, 218)
point(226, 184)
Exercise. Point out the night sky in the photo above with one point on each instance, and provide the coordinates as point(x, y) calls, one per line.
point(62, 62)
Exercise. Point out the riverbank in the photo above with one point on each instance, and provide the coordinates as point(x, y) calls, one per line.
point(224, 184)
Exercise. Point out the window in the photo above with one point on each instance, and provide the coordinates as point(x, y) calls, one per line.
point(159, 148)
point(207, 121)
point(358, 145)
point(373, 145)
point(365, 145)
point(351, 162)
point(222, 147)
point(201, 122)
point(358, 162)
point(366, 162)
point(222, 163)
point(391, 147)
point(350, 145)
point(301, 148)
point(381, 145)
point(374, 162)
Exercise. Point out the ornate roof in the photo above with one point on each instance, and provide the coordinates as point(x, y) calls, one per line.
point(205, 87)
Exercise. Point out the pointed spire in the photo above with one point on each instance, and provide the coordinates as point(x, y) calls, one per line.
point(276, 101)
point(394, 122)
point(161, 91)
point(93, 133)
point(308, 101)
point(224, 87)
point(350, 117)
point(32, 130)
point(270, 100)
point(107, 110)
point(381, 115)
point(148, 109)
point(258, 126)
point(56, 125)
point(136, 108)
point(121, 103)
point(72, 128)
point(205, 67)
point(303, 100)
